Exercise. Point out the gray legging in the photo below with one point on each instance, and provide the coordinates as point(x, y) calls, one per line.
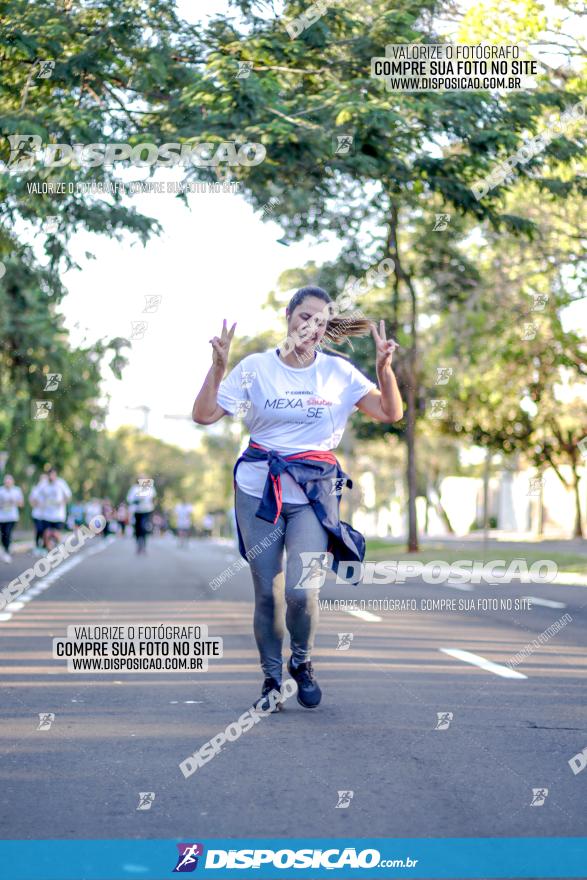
point(301, 531)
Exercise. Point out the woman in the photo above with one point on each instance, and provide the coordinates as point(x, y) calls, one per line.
point(295, 402)
point(53, 495)
point(122, 517)
point(109, 515)
point(11, 499)
point(37, 515)
point(141, 501)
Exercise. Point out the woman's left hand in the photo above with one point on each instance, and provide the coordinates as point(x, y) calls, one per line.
point(384, 347)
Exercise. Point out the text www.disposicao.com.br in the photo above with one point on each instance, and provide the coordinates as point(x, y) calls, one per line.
point(135, 664)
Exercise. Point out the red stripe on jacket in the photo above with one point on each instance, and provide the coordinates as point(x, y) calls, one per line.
point(316, 454)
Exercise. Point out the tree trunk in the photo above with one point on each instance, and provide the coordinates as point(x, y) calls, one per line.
point(486, 475)
point(426, 512)
point(444, 516)
point(412, 487)
point(411, 378)
point(578, 533)
point(348, 450)
point(540, 524)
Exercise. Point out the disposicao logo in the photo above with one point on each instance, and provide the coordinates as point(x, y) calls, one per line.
point(188, 857)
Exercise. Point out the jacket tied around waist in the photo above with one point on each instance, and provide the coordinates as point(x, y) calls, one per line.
point(321, 478)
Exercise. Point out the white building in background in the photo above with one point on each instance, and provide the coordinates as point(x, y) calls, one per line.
point(518, 502)
point(530, 499)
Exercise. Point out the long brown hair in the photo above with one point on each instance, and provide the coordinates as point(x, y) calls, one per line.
point(339, 328)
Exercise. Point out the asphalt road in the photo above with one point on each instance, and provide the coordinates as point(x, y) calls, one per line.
point(115, 735)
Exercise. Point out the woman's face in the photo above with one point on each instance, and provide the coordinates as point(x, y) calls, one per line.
point(307, 324)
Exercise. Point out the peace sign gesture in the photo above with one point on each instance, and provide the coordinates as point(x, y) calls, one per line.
point(221, 346)
point(384, 347)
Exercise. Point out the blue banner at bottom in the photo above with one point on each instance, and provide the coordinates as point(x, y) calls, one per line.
point(272, 858)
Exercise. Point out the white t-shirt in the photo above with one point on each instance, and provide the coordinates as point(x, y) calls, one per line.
point(35, 501)
point(52, 498)
point(183, 514)
point(290, 409)
point(91, 510)
point(142, 498)
point(9, 500)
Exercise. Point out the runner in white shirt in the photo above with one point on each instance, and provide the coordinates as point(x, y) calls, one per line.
point(11, 499)
point(183, 517)
point(53, 497)
point(92, 509)
point(37, 515)
point(141, 501)
point(293, 400)
point(123, 517)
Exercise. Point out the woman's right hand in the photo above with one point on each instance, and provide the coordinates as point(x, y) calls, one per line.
point(221, 347)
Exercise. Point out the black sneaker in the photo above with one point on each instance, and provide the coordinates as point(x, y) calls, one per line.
point(309, 693)
point(265, 703)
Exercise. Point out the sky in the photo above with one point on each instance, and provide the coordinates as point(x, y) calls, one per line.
point(218, 259)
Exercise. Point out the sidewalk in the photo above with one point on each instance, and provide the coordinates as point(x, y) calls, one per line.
point(497, 538)
point(501, 541)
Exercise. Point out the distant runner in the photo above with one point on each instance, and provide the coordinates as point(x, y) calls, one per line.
point(122, 516)
point(141, 500)
point(53, 495)
point(11, 499)
point(183, 518)
point(37, 515)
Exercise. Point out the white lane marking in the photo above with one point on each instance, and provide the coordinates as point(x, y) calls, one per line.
point(483, 663)
point(466, 587)
point(54, 575)
point(364, 615)
point(186, 701)
point(548, 603)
